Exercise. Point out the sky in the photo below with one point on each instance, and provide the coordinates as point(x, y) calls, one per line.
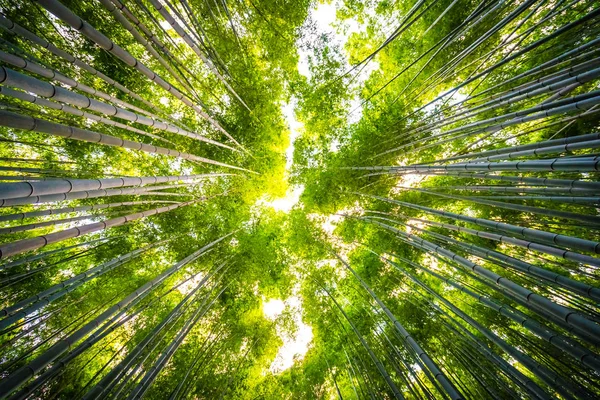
point(324, 15)
point(296, 346)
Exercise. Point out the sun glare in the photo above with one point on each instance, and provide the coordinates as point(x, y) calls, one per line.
point(273, 308)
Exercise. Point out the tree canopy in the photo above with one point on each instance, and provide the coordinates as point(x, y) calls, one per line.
point(266, 199)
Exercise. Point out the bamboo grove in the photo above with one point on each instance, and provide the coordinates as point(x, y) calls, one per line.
point(443, 244)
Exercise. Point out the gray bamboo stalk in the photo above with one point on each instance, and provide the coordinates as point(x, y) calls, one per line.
point(107, 328)
point(22, 32)
point(450, 65)
point(564, 148)
point(28, 189)
point(74, 111)
point(510, 38)
point(117, 372)
point(570, 316)
point(571, 70)
point(36, 160)
point(77, 279)
point(25, 122)
point(23, 374)
point(54, 211)
point(528, 233)
point(36, 225)
point(18, 277)
point(210, 49)
point(574, 349)
point(55, 75)
point(511, 206)
point(552, 164)
point(549, 377)
point(532, 91)
point(88, 194)
point(36, 170)
point(45, 89)
point(563, 29)
point(440, 17)
point(522, 189)
point(181, 32)
point(580, 288)
point(36, 257)
point(562, 92)
point(401, 27)
point(514, 40)
point(583, 102)
point(411, 371)
point(133, 370)
point(166, 194)
point(21, 246)
point(591, 201)
point(140, 25)
point(480, 156)
point(201, 349)
point(376, 361)
point(67, 16)
point(207, 355)
point(194, 35)
point(410, 134)
point(34, 303)
point(144, 29)
point(574, 184)
point(352, 375)
point(400, 356)
point(450, 389)
point(471, 21)
point(498, 361)
point(108, 4)
point(152, 373)
point(548, 65)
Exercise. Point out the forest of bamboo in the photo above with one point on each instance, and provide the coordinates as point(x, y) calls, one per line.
point(301, 199)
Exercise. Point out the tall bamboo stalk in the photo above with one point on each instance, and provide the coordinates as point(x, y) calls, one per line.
point(23, 374)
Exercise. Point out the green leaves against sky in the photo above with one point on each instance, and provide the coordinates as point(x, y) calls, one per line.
point(264, 199)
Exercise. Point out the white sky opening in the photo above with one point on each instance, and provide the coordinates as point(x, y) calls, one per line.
point(273, 308)
point(296, 345)
point(285, 204)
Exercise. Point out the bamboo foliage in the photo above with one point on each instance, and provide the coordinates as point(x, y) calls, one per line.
point(63, 95)
point(444, 244)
